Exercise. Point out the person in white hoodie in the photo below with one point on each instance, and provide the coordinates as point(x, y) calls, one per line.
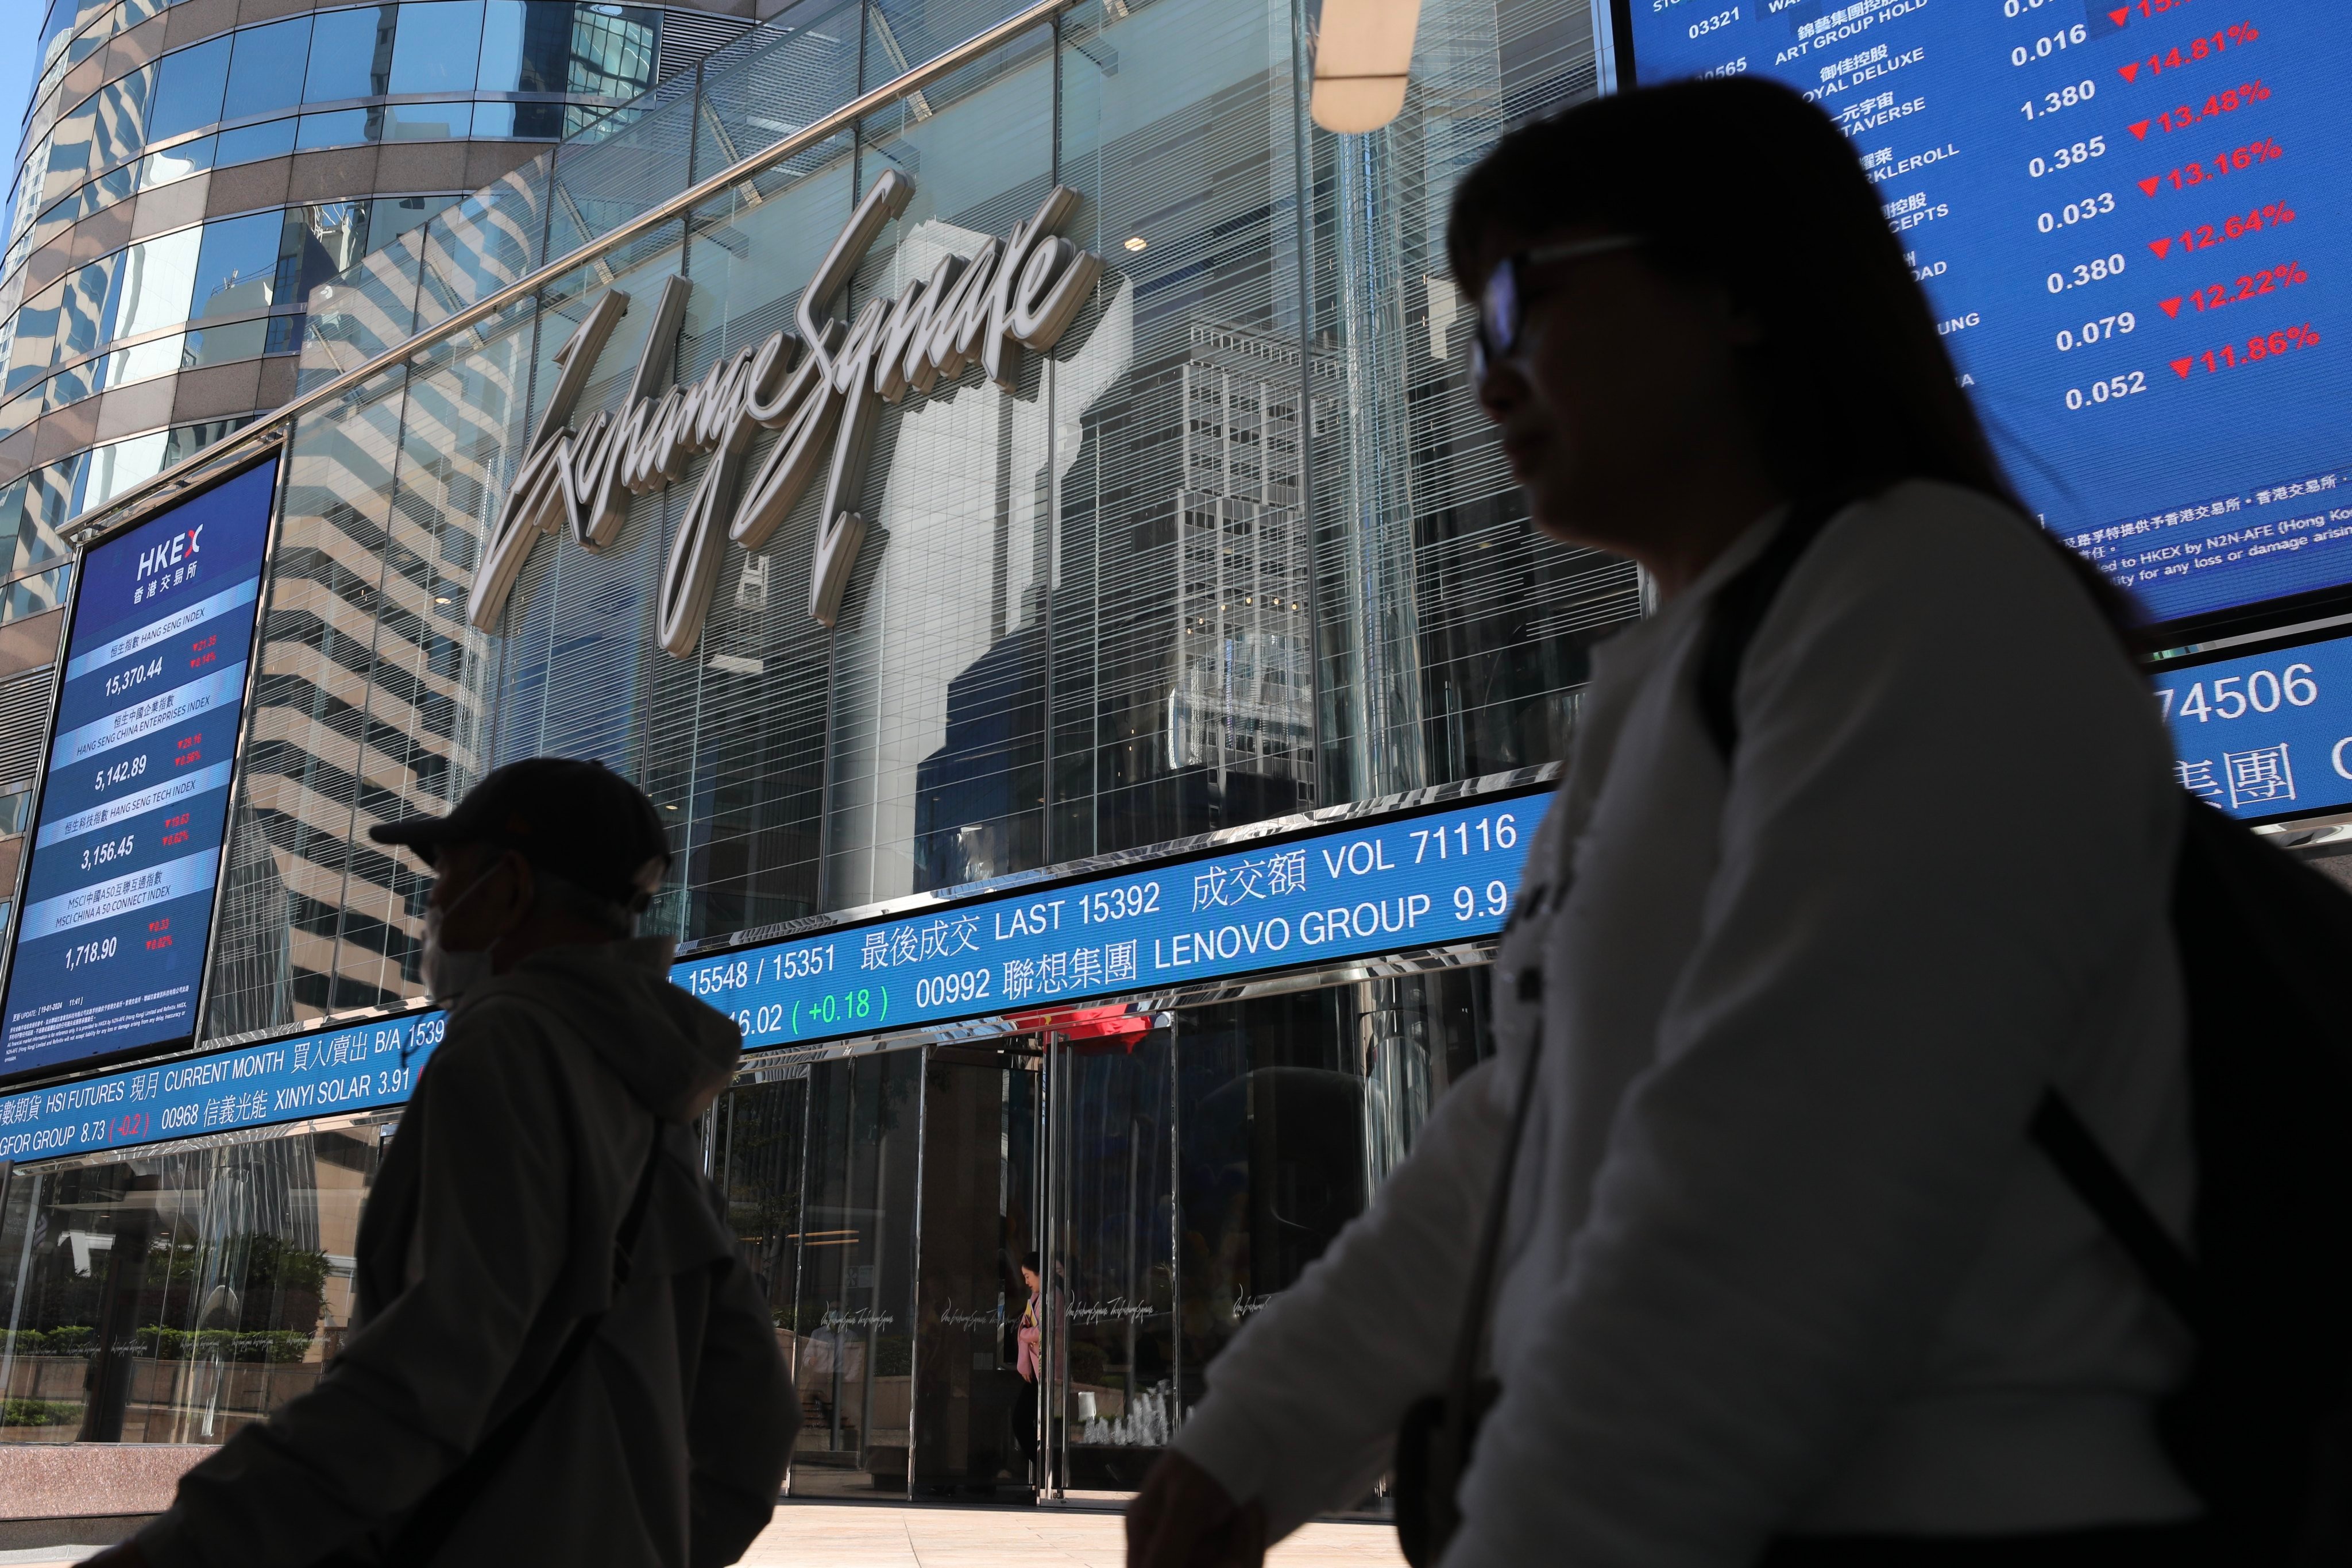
point(1781, 1278)
point(560, 1354)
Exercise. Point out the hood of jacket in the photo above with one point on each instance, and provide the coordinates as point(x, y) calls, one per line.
point(673, 1051)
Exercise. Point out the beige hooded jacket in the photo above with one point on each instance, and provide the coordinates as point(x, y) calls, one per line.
point(489, 1234)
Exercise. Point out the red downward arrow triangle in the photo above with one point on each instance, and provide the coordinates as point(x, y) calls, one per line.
point(2159, 246)
point(2171, 307)
point(2139, 129)
point(2181, 367)
point(2147, 187)
point(2120, 17)
point(2130, 71)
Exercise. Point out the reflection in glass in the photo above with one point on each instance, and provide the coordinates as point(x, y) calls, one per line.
point(351, 54)
point(120, 118)
point(181, 1297)
point(272, 139)
point(154, 281)
point(338, 128)
point(188, 92)
point(266, 69)
point(175, 162)
point(424, 121)
point(853, 1314)
point(220, 345)
point(236, 272)
point(975, 1395)
point(437, 44)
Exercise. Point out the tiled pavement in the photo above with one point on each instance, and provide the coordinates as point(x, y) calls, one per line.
point(885, 1535)
point(902, 1535)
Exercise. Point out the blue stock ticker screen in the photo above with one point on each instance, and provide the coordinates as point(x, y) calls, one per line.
point(2135, 224)
point(1330, 893)
point(117, 895)
point(1036, 955)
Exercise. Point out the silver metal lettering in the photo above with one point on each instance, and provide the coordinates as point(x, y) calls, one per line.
point(825, 384)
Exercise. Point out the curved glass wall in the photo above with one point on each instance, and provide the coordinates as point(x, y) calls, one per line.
point(360, 76)
point(203, 295)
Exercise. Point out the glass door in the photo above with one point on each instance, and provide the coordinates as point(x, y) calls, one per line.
point(1112, 1350)
point(976, 1370)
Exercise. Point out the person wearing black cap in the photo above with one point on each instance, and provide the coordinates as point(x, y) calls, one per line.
point(560, 1354)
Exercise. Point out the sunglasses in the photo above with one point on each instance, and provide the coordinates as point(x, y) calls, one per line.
point(1502, 307)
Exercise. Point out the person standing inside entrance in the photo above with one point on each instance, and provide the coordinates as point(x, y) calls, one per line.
point(560, 1355)
point(1782, 1277)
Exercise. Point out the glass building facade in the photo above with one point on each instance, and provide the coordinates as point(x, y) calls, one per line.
point(1236, 547)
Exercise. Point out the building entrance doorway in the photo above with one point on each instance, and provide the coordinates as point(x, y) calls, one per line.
point(1159, 1178)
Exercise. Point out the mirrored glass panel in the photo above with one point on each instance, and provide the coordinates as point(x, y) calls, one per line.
point(267, 67)
point(189, 88)
point(438, 43)
point(181, 1297)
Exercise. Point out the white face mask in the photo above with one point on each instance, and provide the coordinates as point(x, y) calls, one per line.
point(449, 975)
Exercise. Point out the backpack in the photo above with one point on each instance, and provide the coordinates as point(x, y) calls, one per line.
point(2262, 1427)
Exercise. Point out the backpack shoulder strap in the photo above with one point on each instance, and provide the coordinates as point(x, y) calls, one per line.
point(1741, 607)
point(2060, 1132)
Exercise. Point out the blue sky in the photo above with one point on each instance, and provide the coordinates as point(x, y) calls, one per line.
point(20, 20)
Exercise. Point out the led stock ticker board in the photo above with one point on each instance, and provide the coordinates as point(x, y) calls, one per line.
point(1345, 891)
point(330, 1072)
point(117, 896)
point(2134, 225)
point(2265, 735)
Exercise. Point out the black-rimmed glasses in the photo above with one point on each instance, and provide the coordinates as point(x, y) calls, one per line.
point(1502, 307)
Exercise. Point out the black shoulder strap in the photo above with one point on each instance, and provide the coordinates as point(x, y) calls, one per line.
point(2057, 1130)
point(1740, 608)
point(428, 1525)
